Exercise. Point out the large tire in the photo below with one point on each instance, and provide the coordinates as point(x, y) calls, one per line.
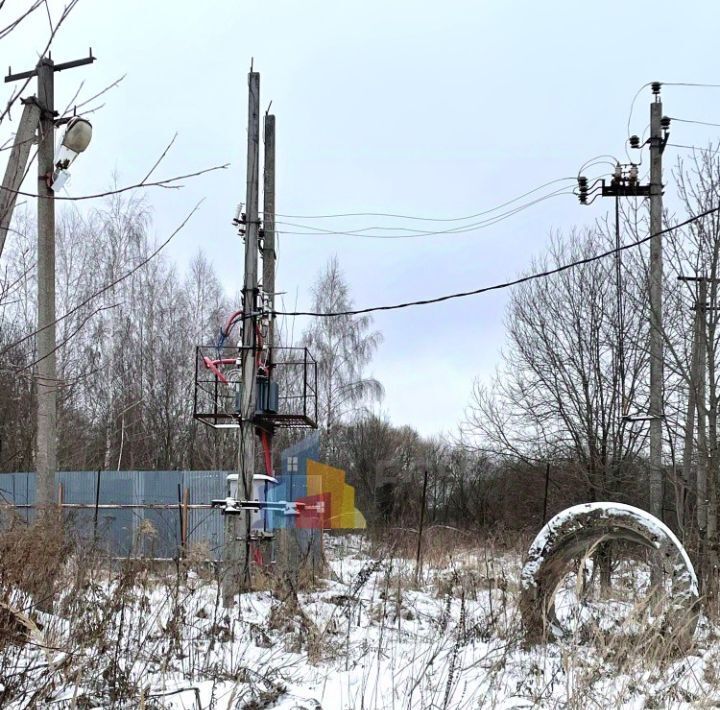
point(573, 533)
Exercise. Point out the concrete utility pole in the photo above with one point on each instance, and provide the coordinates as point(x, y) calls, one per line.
point(46, 457)
point(17, 162)
point(696, 494)
point(657, 145)
point(623, 185)
point(46, 453)
point(237, 527)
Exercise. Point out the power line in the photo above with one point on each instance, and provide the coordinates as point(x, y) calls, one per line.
point(314, 231)
point(668, 83)
point(632, 107)
point(428, 219)
point(713, 151)
point(597, 160)
point(688, 83)
point(504, 285)
point(699, 123)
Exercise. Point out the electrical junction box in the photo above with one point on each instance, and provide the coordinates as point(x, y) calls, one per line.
point(268, 396)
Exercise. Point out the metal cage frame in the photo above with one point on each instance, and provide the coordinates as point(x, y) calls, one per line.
point(213, 399)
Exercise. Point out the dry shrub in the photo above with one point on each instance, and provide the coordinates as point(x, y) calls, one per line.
point(33, 556)
point(299, 631)
point(441, 543)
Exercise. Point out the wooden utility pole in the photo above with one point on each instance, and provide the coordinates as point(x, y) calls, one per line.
point(285, 539)
point(237, 576)
point(655, 413)
point(423, 505)
point(268, 252)
point(689, 480)
point(46, 453)
point(697, 485)
point(16, 165)
point(291, 545)
point(702, 465)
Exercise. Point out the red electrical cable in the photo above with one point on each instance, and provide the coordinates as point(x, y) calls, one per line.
point(257, 555)
point(212, 366)
point(231, 322)
point(267, 452)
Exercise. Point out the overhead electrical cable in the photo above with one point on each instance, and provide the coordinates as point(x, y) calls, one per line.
point(632, 107)
point(689, 83)
point(464, 229)
point(665, 83)
point(598, 160)
point(504, 285)
point(699, 123)
point(713, 151)
point(428, 219)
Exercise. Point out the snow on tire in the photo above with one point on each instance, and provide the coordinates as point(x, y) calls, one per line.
point(572, 533)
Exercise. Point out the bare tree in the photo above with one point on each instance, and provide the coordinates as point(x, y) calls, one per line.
point(559, 393)
point(343, 346)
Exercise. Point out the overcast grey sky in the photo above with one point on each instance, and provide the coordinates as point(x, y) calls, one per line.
point(404, 106)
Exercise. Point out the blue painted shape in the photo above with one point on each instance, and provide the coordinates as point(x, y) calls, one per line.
point(292, 479)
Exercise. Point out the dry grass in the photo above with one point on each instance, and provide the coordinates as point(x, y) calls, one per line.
point(115, 625)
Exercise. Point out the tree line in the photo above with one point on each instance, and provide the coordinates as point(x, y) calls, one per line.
point(561, 421)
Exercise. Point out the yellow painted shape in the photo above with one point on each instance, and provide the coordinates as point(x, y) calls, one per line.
point(322, 479)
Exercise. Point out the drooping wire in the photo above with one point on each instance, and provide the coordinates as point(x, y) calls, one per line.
point(632, 108)
point(428, 219)
point(688, 83)
point(664, 83)
point(699, 123)
point(314, 231)
point(506, 284)
point(712, 151)
point(598, 160)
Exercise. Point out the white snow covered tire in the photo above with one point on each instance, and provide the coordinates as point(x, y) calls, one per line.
point(572, 533)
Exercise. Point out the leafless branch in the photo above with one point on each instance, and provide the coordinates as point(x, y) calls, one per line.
point(110, 285)
point(159, 160)
point(168, 184)
point(61, 20)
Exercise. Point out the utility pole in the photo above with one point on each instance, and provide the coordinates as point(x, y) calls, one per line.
point(268, 251)
point(17, 162)
point(627, 185)
point(702, 472)
point(46, 453)
point(46, 457)
point(697, 485)
point(285, 539)
point(250, 307)
point(657, 145)
point(237, 527)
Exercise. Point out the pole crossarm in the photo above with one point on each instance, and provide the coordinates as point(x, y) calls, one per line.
point(57, 67)
point(619, 190)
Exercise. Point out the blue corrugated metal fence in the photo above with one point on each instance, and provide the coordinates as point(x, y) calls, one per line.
point(137, 531)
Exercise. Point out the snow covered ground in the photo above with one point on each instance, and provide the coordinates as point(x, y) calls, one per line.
point(368, 637)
